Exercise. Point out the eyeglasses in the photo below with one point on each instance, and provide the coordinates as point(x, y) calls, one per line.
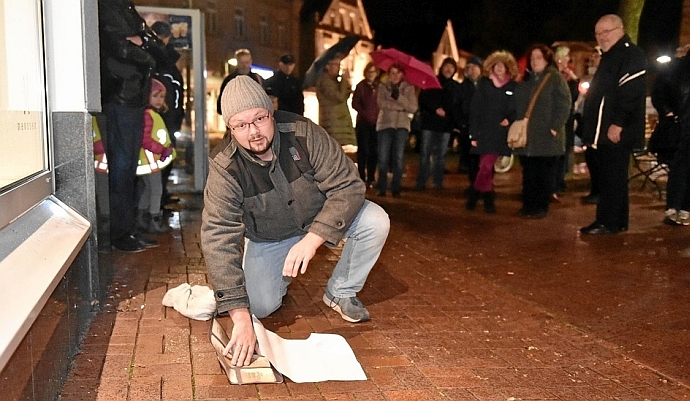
point(260, 121)
point(605, 32)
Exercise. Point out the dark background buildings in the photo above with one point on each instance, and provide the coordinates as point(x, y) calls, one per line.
point(482, 26)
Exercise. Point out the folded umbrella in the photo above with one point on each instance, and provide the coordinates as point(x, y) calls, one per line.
point(417, 72)
point(343, 46)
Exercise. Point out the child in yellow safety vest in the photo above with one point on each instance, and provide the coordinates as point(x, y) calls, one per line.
point(156, 153)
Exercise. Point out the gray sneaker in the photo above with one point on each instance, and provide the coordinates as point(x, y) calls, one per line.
point(350, 309)
point(683, 218)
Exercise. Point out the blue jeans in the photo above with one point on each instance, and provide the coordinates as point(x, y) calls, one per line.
point(263, 262)
point(392, 143)
point(432, 155)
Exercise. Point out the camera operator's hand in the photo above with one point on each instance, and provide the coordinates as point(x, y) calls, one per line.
point(136, 39)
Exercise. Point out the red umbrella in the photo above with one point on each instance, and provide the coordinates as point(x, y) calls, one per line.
point(417, 73)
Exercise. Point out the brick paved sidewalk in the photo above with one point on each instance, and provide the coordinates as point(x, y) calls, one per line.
point(437, 333)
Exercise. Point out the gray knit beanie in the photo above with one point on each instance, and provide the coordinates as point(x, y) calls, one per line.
point(243, 93)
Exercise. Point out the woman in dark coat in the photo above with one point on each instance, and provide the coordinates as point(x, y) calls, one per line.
point(364, 101)
point(493, 109)
point(545, 130)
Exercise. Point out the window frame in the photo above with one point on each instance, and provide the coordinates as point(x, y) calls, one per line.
point(26, 192)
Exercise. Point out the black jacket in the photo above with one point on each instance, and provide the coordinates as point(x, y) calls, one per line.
point(288, 90)
point(490, 106)
point(467, 90)
point(170, 76)
point(448, 99)
point(125, 67)
point(617, 96)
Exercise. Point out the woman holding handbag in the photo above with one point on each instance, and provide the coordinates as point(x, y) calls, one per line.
point(543, 98)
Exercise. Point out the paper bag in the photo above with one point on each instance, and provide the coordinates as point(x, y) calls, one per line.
point(259, 371)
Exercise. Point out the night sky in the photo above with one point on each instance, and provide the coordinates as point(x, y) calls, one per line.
point(481, 26)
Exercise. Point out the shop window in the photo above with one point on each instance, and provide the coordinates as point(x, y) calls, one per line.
point(24, 159)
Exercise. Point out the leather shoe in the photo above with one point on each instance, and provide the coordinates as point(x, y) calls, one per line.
point(146, 242)
point(128, 244)
point(597, 228)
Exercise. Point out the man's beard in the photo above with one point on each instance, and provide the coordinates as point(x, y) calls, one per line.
point(259, 147)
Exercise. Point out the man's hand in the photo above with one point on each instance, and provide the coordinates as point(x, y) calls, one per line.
point(243, 340)
point(614, 133)
point(300, 254)
point(440, 112)
point(504, 123)
point(136, 40)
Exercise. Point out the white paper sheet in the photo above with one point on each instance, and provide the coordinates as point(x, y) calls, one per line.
point(321, 357)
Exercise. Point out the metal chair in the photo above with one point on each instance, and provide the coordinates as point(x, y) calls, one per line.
point(647, 165)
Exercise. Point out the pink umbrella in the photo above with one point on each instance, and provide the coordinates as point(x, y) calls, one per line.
point(417, 73)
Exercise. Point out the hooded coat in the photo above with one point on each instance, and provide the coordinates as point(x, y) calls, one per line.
point(490, 106)
point(334, 114)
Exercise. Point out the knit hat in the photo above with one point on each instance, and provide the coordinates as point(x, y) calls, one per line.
point(243, 93)
point(476, 61)
point(157, 85)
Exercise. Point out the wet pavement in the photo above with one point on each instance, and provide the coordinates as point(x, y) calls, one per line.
point(464, 305)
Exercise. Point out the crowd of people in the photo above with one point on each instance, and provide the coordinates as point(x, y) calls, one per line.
point(479, 108)
point(280, 186)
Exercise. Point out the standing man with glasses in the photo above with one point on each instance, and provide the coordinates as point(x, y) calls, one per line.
point(614, 121)
point(278, 188)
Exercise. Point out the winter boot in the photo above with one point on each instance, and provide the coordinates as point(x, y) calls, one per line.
point(142, 223)
point(472, 197)
point(489, 199)
point(157, 224)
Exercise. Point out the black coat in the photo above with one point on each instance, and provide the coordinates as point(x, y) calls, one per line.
point(125, 67)
point(170, 76)
point(288, 90)
point(617, 96)
point(467, 90)
point(490, 106)
point(671, 94)
point(447, 98)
